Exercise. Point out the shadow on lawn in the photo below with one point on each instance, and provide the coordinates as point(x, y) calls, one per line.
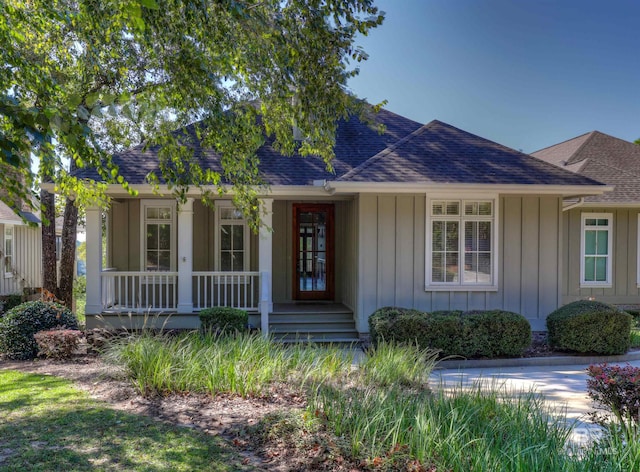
point(75, 433)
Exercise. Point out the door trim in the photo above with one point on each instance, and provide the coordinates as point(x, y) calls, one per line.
point(329, 293)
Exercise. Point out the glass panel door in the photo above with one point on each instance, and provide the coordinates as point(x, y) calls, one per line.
point(313, 240)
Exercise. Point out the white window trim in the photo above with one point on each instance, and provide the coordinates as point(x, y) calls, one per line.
point(151, 203)
point(609, 282)
point(240, 222)
point(459, 286)
point(8, 274)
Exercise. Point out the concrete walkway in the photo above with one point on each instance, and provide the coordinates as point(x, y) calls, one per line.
point(564, 388)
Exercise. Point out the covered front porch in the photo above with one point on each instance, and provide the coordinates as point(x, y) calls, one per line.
point(151, 262)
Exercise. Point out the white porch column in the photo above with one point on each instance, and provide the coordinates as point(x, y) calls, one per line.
point(94, 261)
point(185, 257)
point(265, 262)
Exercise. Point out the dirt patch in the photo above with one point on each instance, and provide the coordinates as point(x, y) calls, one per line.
point(230, 417)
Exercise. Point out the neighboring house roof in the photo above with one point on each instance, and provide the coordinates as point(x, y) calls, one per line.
point(406, 152)
point(601, 157)
point(11, 217)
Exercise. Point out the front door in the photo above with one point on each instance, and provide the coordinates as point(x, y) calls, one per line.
point(313, 251)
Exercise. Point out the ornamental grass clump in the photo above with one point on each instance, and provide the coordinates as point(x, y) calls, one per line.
point(18, 326)
point(243, 364)
point(589, 326)
point(477, 429)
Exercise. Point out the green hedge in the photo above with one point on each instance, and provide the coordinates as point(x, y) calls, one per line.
point(223, 319)
point(19, 324)
point(7, 302)
point(493, 333)
point(589, 326)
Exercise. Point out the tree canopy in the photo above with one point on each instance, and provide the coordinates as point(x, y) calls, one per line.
point(82, 79)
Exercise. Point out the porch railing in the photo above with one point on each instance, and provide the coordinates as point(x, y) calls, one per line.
point(233, 289)
point(158, 291)
point(139, 291)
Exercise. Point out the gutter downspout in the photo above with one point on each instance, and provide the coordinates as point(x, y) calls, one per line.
point(573, 205)
point(324, 184)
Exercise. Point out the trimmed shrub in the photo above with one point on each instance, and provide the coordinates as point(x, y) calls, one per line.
point(57, 343)
point(589, 326)
point(223, 319)
point(493, 333)
point(8, 302)
point(19, 324)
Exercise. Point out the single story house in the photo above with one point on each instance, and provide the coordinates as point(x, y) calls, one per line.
point(601, 237)
point(424, 216)
point(21, 250)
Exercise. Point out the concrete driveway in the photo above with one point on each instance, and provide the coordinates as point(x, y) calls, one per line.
point(564, 388)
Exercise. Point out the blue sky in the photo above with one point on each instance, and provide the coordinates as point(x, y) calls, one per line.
point(526, 74)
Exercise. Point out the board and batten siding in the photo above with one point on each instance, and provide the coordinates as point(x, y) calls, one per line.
point(124, 243)
point(391, 258)
point(27, 260)
point(624, 289)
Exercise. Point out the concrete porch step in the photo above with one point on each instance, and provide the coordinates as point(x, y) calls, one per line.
point(313, 322)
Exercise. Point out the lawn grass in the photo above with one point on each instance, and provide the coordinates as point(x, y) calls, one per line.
point(47, 424)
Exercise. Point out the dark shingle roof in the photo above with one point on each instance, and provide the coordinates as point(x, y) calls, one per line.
point(405, 152)
point(441, 153)
point(355, 143)
point(602, 157)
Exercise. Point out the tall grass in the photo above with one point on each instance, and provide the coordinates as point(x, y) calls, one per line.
point(390, 364)
point(244, 365)
point(465, 430)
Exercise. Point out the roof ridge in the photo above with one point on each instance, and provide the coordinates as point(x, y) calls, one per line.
point(572, 159)
point(563, 142)
point(387, 150)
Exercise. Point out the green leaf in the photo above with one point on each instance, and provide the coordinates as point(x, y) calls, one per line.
point(150, 4)
point(91, 99)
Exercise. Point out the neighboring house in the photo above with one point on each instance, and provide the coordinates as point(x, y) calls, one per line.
point(425, 216)
point(21, 250)
point(600, 233)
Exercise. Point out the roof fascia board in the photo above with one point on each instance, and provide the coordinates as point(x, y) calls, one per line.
point(13, 222)
point(145, 190)
point(338, 187)
point(392, 187)
point(611, 204)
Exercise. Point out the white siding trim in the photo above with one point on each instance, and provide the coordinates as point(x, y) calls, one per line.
point(495, 250)
point(609, 282)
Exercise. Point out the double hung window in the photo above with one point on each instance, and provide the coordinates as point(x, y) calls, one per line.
point(595, 261)
point(461, 243)
point(232, 239)
point(8, 251)
point(159, 235)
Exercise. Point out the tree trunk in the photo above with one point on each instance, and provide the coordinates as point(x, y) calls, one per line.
point(49, 266)
point(68, 253)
